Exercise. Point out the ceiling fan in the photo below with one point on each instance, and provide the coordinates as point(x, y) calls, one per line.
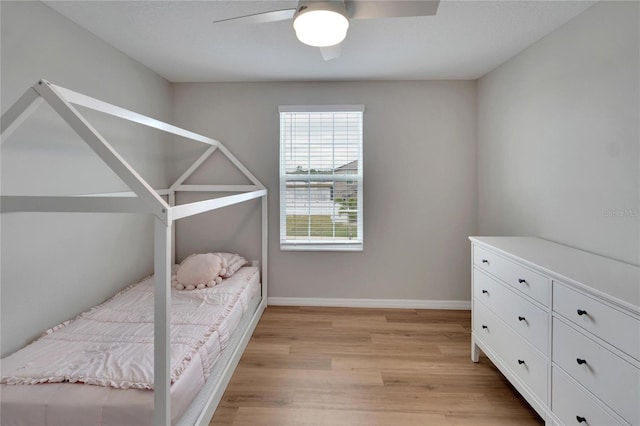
point(324, 24)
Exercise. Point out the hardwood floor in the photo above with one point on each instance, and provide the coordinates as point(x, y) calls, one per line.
point(345, 367)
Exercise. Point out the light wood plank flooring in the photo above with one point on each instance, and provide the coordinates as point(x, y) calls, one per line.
point(346, 367)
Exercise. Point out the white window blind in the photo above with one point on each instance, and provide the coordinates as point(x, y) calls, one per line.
point(321, 177)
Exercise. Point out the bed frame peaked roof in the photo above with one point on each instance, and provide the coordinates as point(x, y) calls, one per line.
point(146, 199)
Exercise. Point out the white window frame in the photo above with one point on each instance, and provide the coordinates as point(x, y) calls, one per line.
point(322, 245)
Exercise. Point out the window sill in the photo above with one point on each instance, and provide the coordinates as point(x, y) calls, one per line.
point(320, 247)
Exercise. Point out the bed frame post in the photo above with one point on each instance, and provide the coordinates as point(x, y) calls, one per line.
point(172, 203)
point(162, 317)
point(265, 245)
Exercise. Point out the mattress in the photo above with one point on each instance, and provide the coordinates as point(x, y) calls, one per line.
point(83, 404)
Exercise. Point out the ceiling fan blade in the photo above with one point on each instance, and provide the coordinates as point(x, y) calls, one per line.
point(331, 52)
point(262, 17)
point(364, 9)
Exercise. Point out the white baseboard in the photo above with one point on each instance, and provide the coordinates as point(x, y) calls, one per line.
point(371, 303)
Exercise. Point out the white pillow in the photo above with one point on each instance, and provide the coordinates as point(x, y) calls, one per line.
point(199, 271)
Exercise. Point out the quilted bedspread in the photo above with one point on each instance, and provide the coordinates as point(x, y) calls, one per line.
point(112, 344)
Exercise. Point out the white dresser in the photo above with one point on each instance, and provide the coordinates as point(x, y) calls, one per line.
point(562, 325)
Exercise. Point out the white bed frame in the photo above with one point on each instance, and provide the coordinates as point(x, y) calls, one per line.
point(144, 199)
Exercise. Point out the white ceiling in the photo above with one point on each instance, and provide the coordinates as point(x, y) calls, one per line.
point(464, 40)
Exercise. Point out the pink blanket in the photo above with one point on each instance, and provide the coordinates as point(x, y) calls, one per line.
point(112, 344)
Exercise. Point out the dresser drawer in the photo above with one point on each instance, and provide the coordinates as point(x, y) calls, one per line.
point(609, 377)
point(609, 324)
point(520, 278)
point(574, 407)
point(523, 316)
point(513, 351)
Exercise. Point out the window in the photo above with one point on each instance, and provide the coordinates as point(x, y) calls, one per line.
point(321, 177)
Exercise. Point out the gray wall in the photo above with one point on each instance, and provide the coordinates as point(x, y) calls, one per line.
point(55, 266)
point(557, 156)
point(419, 184)
point(558, 136)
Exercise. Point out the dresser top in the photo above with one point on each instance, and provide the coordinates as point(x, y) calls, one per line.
point(600, 275)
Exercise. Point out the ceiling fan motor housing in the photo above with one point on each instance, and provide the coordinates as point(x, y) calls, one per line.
point(321, 23)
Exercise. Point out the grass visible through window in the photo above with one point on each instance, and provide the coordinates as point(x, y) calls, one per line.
point(321, 226)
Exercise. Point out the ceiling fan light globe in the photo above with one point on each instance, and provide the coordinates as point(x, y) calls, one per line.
point(321, 28)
